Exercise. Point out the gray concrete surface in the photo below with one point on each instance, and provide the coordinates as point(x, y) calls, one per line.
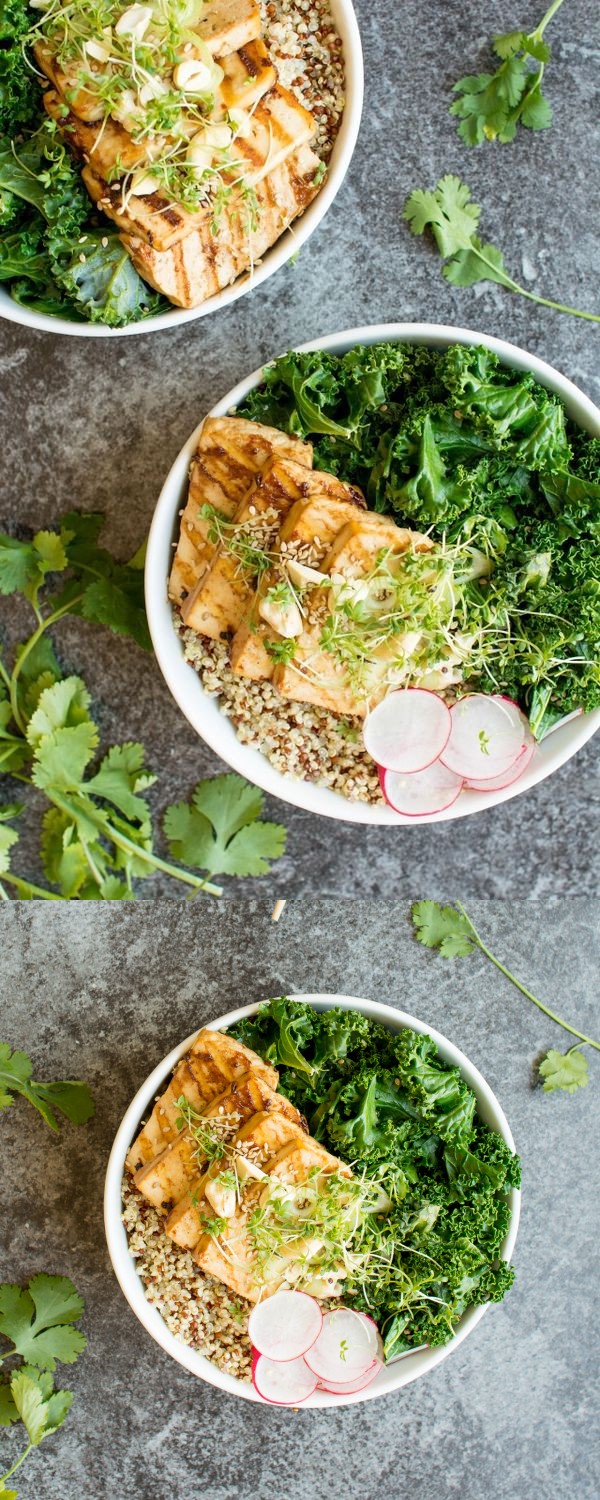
point(97, 994)
point(98, 424)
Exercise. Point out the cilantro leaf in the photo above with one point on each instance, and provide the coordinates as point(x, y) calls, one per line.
point(121, 778)
point(70, 1097)
point(221, 832)
point(448, 211)
point(444, 928)
point(453, 218)
point(8, 836)
point(37, 1321)
point(564, 1070)
point(491, 106)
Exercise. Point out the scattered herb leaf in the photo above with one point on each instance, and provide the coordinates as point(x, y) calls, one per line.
point(491, 106)
point(453, 218)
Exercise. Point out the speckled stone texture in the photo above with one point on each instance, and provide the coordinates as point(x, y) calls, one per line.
point(97, 993)
point(97, 424)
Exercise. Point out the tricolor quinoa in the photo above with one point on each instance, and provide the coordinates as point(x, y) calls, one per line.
point(307, 52)
point(301, 740)
point(196, 1308)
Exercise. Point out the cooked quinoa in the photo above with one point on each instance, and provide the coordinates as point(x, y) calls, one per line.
point(196, 1308)
point(307, 52)
point(301, 740)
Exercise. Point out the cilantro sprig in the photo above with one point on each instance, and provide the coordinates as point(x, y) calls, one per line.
point(451, 932)
point(491, 106)
point(453, 218)
point(97, 836)
point(37, 1323)
point(69, 1096)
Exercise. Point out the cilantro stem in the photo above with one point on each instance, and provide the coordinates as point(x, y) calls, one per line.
point(4, 674)
point(17, 1463)
point(29, 645)
point(514, 286)
point(551, 11)
point(129, 847)
point(36, 892)
point(524, 991)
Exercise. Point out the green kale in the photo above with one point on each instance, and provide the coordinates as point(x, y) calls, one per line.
point(390, 1106)
point(483, 457)
point(19, 90)
point(55, 259)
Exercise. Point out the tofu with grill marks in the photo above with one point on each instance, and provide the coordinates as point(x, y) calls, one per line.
point(215, 1061)
point(171, 1174)
point(313, 523)
point(227, 26)
point(231, 1256)
point(266, 1132)
point(204, 262)
point(316, 676)
point(218, 604)
point(231, 452)
point(278, 127)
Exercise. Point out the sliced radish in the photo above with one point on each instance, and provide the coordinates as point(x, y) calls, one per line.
point(506, 778)
point(408, 730)
point(357, 1384)
point(346, 1346)
point(285, 1325)
point(283, 1382)
point(487, 734)
point(428, 791)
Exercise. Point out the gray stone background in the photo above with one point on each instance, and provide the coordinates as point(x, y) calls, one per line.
point(513, 1412)
point(96, 424)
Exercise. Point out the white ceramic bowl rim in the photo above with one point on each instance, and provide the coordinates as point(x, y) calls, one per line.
point(395, 1375)
point(285, 247)
point(201, 710)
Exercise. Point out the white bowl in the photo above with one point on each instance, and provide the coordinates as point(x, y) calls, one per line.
point(201, 709)
point(408, 1367)
point(288, 244)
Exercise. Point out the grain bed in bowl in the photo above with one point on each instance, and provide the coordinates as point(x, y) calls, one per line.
point(303, 742)
point(307, 52)
point(197, 1309)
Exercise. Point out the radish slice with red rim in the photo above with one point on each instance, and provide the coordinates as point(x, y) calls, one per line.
point(488, 733)
point(346, 1347)
point(346, 1388)
point(424, 792)
point(285, 1325)
point(283, 1382)
point(407, 730)
point(506, 778)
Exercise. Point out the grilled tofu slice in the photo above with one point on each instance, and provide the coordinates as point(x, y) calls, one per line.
point(312, 523)
point(65, 80)
point(166, 1179)
point(231, 452)
point(314, 675)
point(161, 1127)
point(203, 263)
point(298, 1158)
point(225, 27)
point(279, 127)
point(247, 75)
point(354, 552)
point(231, 1256)
point(224, 595)
point(260, 1139)
point(215, 1061)
point(228, 25)
point(217, 1058)
point(100, 142)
